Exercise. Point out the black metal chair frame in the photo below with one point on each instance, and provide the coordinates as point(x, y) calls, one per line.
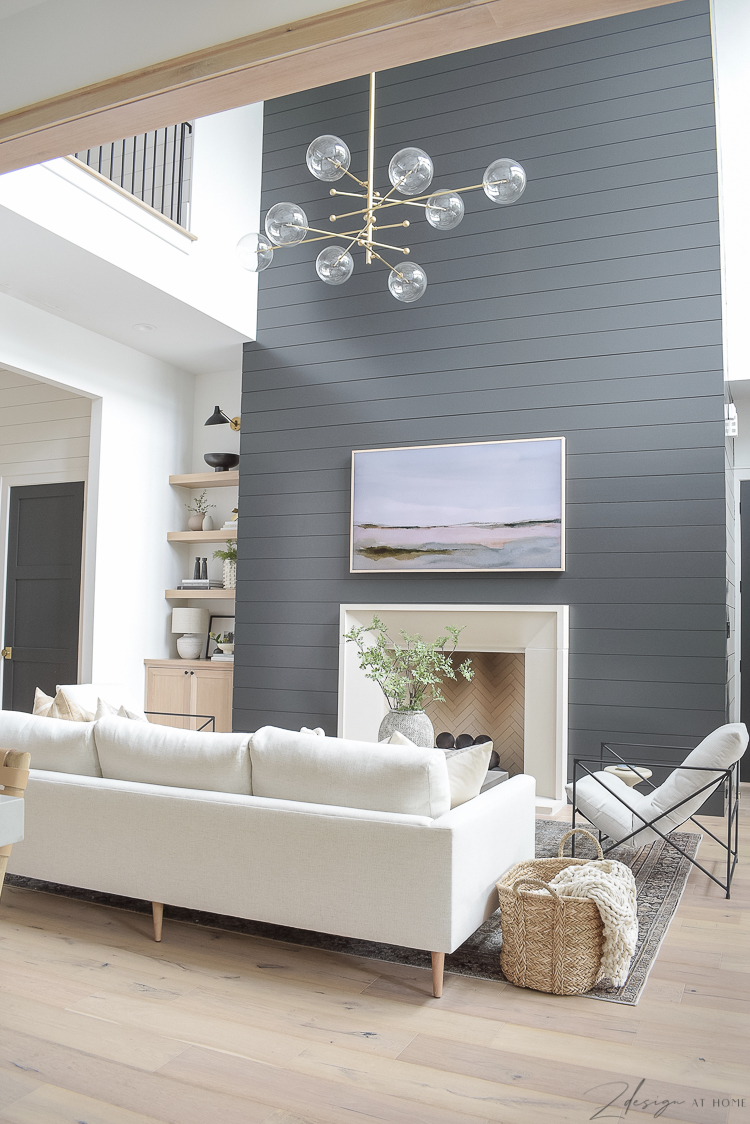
point(177, 714)
point(730, 778)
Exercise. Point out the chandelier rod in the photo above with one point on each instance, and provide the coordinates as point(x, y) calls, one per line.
point(370, 170)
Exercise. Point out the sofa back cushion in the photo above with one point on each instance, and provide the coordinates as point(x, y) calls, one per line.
point(61, 747)
point(348, 774)
point(153, 754)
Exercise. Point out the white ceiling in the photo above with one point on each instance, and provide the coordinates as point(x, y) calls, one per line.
point(48, 47)
point(45, 270)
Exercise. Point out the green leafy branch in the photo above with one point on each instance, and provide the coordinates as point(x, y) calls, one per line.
point(409, 676)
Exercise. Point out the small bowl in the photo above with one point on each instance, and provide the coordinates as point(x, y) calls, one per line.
point(222, 462)
point(227, 649)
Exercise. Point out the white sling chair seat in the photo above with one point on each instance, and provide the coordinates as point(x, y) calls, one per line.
point(617, 810)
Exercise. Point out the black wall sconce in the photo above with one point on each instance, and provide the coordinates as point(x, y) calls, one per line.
point(218, 417)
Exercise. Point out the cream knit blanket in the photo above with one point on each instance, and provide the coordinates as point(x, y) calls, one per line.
point(611, 885)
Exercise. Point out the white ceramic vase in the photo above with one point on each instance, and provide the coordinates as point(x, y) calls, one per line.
point(413, 724)
point(230, 574)
point(208, 523)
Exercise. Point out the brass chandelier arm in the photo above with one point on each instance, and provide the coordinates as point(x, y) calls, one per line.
point(351, 194)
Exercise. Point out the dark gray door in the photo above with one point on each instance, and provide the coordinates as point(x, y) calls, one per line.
point(43, 590)
point(745, 617)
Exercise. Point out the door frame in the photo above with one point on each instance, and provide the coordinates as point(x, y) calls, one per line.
point(739, 474)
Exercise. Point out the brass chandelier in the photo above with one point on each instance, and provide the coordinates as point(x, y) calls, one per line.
point(410, 172)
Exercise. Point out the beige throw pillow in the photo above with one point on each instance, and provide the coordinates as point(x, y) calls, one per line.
point(61, 706)
point(467, 768)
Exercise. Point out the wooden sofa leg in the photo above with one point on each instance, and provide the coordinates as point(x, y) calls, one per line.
point(438, 965)
point(157, 909)
point(4, 856)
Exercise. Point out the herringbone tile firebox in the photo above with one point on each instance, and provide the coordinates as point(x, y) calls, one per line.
point(492, 703)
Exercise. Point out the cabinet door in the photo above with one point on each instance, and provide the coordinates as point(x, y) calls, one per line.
point(168, 689)
point(212, 694)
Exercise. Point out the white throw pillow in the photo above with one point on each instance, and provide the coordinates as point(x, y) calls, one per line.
point(87, 695)
point(349, 774)
point(61, 747)
point(318, 731)
point(107, 710)
point(154, 754)
point(61, 706)
point(467, 768)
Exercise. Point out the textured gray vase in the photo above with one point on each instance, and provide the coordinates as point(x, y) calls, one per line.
point(413, 724)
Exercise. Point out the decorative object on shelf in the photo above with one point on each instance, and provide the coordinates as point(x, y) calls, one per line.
point(632, 777)
point(218, 417)
point(197, 569)
point(235, 513)
point(208, 523)
point(200, 508)
point(193, 623)
point(480, 506)
point(408, 676)
point(410, 172)
point(224, 642)
point(204, 569)
point(221, 462)
point(218, 626)
point(229, 558)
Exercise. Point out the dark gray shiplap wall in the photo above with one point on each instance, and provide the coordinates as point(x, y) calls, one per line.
point(591, 309)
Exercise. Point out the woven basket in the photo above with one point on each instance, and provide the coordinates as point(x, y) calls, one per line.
point(550, 943)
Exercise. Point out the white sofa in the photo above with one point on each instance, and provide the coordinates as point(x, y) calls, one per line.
point(337, 836)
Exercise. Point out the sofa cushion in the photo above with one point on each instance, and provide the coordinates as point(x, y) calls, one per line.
point(467, 768)
point(62, 705)
point(153, 754)
point(348, 774)
point(61, 747)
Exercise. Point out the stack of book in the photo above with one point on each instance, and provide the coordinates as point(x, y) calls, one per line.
point(201, 583)
point(220, 657)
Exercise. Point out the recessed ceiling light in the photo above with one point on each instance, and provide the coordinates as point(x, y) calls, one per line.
point(145, 327)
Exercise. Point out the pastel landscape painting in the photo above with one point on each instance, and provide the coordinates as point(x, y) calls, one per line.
point(492, 505)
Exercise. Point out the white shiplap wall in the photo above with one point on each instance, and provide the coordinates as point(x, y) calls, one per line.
point(44, 432)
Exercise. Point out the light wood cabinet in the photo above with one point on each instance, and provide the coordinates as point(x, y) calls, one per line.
point(189, 687)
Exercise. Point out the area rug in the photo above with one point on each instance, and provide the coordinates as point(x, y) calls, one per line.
point(660, 873)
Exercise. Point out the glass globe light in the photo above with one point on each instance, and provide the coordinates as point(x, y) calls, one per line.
point(286, 224)
point(328, 158)
point(334, 265)
point(407, 281)
point(444, 210)
point(255, 252)
point(410, 171)
point(504, 181)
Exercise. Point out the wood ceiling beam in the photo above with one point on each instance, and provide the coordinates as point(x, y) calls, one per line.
point(345, 43)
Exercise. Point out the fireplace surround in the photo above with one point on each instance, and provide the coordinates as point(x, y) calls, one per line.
point(540, 632)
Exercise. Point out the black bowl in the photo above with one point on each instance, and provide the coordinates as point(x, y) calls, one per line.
point(222, 462)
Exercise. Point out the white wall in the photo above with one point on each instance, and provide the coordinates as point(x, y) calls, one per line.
point(141, 425)
point(731, 29)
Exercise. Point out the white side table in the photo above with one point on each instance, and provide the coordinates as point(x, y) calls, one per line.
point(11, 820)
point(630, 777)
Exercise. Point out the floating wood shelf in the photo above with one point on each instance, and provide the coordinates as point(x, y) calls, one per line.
point(207, 480)
point(200, 594)
point(202, 536)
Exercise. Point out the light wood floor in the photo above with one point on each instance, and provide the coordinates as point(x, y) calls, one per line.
point(99, 1025)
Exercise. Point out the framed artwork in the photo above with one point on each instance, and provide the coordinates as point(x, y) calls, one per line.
point(485, 506)
point(217, 625)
